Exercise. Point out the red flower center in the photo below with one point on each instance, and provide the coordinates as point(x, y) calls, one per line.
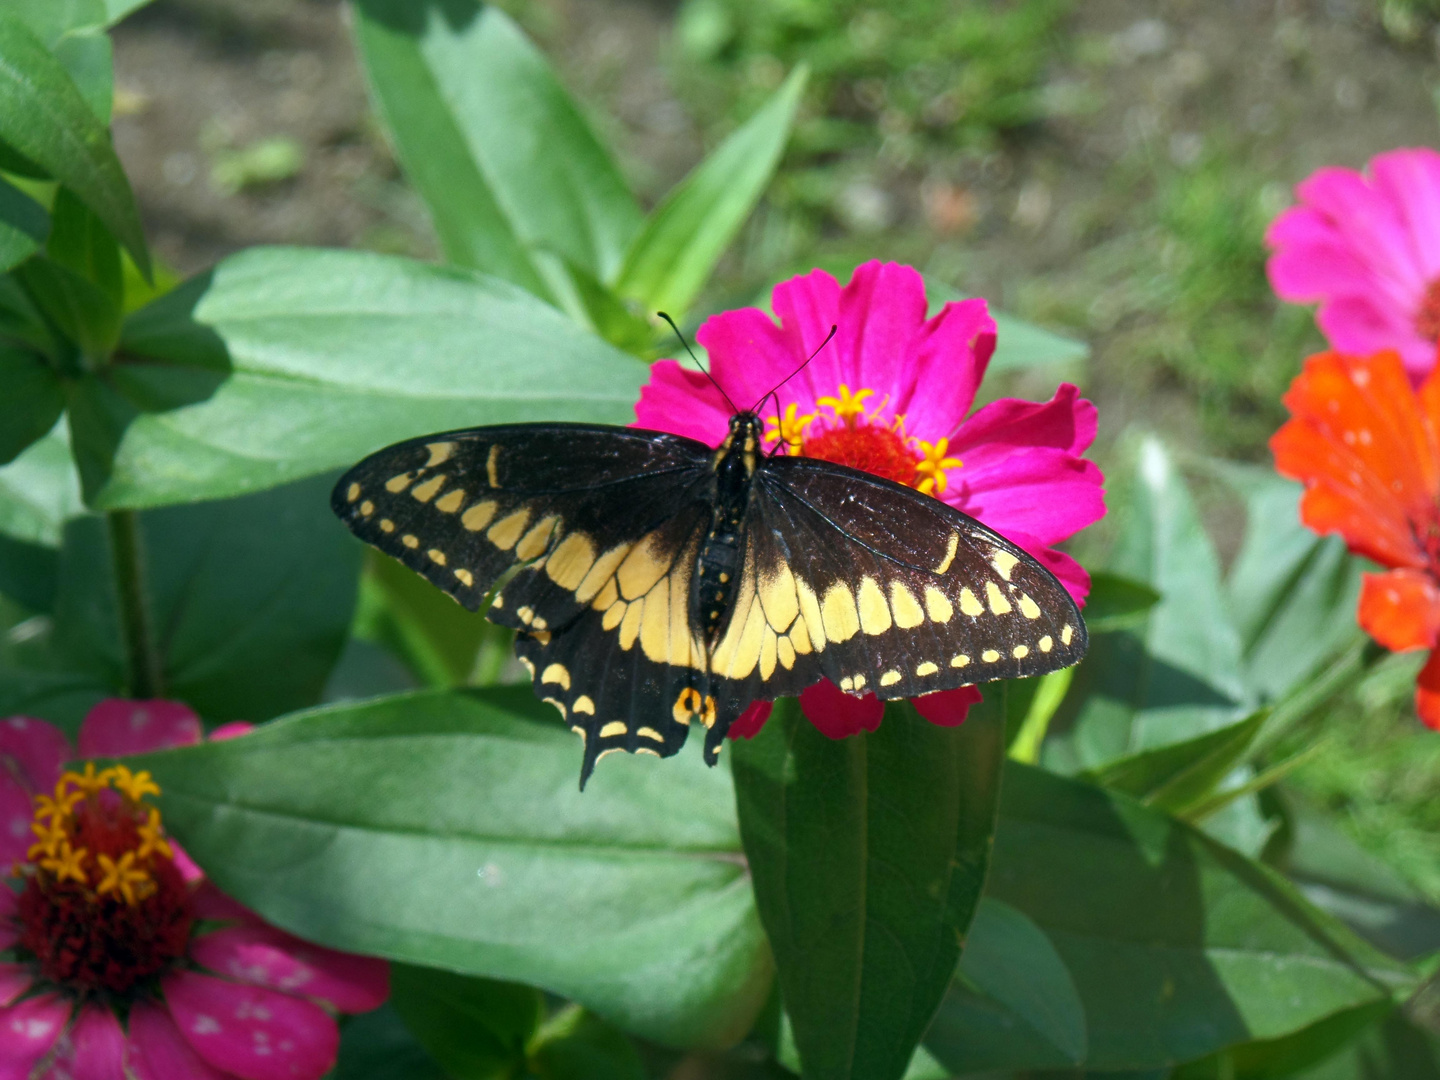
point(1427, 320)
point(104, 906)
point(868, 447)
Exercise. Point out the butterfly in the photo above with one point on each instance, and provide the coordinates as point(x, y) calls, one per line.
point(656, 583)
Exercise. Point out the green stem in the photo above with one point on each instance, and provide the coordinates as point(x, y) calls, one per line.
point(142, 661)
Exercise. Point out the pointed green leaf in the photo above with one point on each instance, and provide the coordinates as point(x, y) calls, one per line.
point(477, 1029)
point(250, 600)
point(447, 829)
point(32, 400)
point(44, 117)
point(1176, 946)
point(39, 490)
point(673, 256)
point(286, 362)
point(496, 147)
point(24, 226)
point(868, 854)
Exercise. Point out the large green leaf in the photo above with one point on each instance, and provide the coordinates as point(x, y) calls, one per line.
point(288, 362)
point(509, 167)
point(447, 829)
point(378, 1046)
point(868, 855)
point(672, 258)
point(1176, 946)
point(477, 1029)
point(31, 402)
point(24, 225)
point(45, 117)
point(74, 30)
point(249, 600)
point(40, 490)
point(1292, 594)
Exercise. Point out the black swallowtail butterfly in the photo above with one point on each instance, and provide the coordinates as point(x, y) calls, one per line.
point(663, 582)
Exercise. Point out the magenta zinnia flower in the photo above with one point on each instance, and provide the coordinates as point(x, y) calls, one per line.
point(1366, 247)
point(126, 962)
point(890, 395)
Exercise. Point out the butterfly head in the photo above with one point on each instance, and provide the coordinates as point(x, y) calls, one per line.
point(746, 431)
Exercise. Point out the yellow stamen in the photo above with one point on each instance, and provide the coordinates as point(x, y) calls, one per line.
point(933, 467)
point(67, 863)
point(150, 838)
point(124, 877)
point(847, 406)
point(50, 837)
point(57, 808)
point(135, 785)
point(88, 782)
point(789, 429)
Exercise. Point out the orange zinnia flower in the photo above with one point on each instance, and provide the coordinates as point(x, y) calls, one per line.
point(1367, 447)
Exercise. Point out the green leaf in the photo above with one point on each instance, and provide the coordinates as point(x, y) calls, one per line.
point(494, 144)
point(74, 30)
point(447, 829)
point(250, 600)
point(1393, 1049)
point(79, 309)
point(675, 253)
point(438, 639)
point(28, 573)
point(32, 401)
point(1292, 594)
point(868, 854)
point(1020, 345)
point(24, 226)
point(475, 1028)
point(1276, 1059)
point(1180, 775)
point(115, 10)
point(1180, 673)
point(290, 362)
point(1177, 947)
point(40, 490)
point(45, 118)
point(61, 698)
point(80, 242)
point(577, 1045)
point(1117, 603)
point(377, 1046)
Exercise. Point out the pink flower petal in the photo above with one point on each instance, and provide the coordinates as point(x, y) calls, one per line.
point(947, 708)
point(837, 714)
point(682, 402)
point(807, 307)
point(1410, 181)
point(157, 1051)
point(17, 811)
point(1361, 326)
point(117, 727)
point(1311, 260)
point(1049, 494)
point(93, 1048)
point(1071, 574)
point(212, 905)
point(189, 871)
point(233, 730)
point(749, 354)
point(250, 1031)
point(33, 751)
point(881, 311)
point(27, 1032)
point(15, 979)
point(269, 957)
point(944, 366)
point(748, 724)
point(1065, 422)
point(1369, 223)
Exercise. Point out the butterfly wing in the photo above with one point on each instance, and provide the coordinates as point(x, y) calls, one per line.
point(598, 528)
point(881, 589)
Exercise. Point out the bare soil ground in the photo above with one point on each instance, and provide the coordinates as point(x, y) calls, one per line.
point(1046, 226)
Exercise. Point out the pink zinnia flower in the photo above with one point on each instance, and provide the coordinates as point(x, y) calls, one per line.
point(1366, 247)
point(111, 920)
point(890, 395)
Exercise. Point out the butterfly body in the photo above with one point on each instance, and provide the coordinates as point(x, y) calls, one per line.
point(658, 583)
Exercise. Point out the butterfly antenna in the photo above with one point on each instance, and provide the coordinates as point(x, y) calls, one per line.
point(797, 371)
point(701, 366)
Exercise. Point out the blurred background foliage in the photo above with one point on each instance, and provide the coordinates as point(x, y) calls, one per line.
point(1104, 169)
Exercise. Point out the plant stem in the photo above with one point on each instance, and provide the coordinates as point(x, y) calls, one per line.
point(142, 661)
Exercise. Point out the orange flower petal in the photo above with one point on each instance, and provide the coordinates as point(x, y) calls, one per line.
point(1427, 692)
point(1401, 609)
point(1359, 436)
